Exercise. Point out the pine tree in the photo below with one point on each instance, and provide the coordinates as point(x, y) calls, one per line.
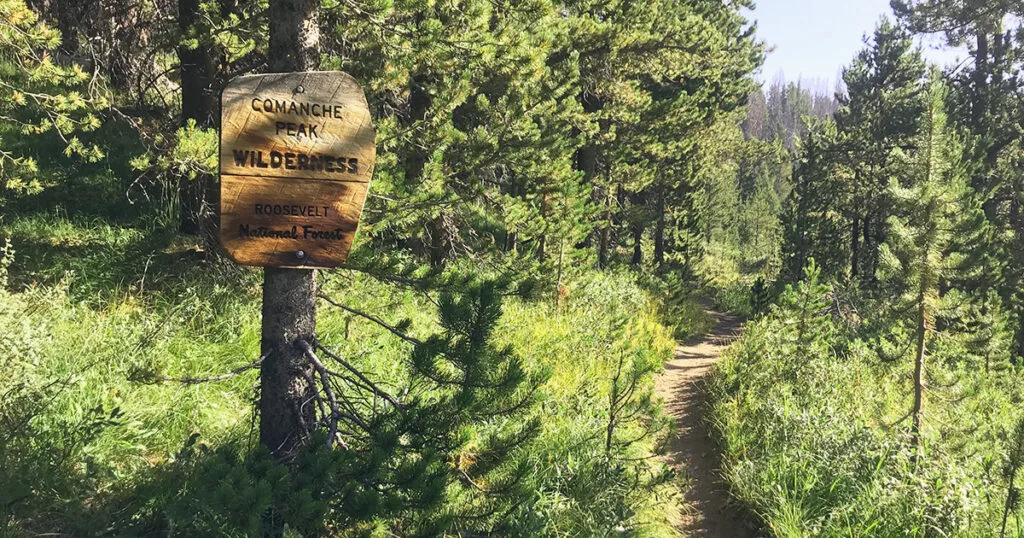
point(1014, 460)
point(760, 231)
point(983, 104)
point(804, 311)
point(445, 454)
point(933, 202)
point(478, 113)
point(652, 112)
point(755, 125)
point(211, 43)
point(813, 225)
point(878, 116)
point(40, 98)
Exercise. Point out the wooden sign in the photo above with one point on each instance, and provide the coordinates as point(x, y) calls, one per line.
point(296, 156)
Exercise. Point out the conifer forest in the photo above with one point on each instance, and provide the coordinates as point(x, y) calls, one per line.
point(611, 278)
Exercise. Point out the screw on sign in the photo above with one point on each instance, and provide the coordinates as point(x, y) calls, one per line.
point(296, 156)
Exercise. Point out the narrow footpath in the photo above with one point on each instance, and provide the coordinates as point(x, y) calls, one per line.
point(708, 511)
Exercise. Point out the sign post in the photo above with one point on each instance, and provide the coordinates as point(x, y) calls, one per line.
point(297, 153)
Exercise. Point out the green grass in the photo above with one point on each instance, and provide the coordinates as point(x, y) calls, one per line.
point(97, 309)
point(815, 433)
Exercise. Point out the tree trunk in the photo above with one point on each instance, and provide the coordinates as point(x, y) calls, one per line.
point(416, 157)
point(659, 230)
point(587, 162)
point(1013, 275)
point(999, 48)
point(415, 162)
point(869, 249)
point(294, 35)
point(1008, 505)
point(286, 418)
point(561, 260)
point(440, 241)
point(638, 236)
point(69, 18)
point(542, 239)
point(922, 328)
point(289, 314)
point(854, 248)
point(511, 240)
point(604, 232)
point(980, 79)
point(880, 232)
point(198, 71)
point(289, 295)
point(621, 199)
point(604, 238)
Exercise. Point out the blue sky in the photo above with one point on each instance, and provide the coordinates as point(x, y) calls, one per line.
point(814, 39)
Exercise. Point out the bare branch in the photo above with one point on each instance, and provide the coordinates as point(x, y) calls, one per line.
point(391, 328)
point(198, 380)
point(373, 386)
point(328, 390)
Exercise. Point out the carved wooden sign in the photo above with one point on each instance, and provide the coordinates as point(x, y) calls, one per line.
point(296, 156)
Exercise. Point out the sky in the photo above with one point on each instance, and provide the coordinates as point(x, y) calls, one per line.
point(814, 39)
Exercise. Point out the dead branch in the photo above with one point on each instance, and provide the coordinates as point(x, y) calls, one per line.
point(328, 390)
point(366, 381)
point(391, 328)
point(198, 380)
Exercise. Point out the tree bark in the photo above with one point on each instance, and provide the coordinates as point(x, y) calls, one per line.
point(511, 241)
point(922, 328)
point(587, 162)
point(604, 238)
point(434, 232)
point(854, 248)
point(604, 233)
point(980, 79)
point(659, 230)
point(289, 314)
point(869, 249)
point(542, 238)
point(638, 236)
point(198, 72)
point(1008, 505)
point(289, 295)
point(440, 242)
point(69, 18)
point(1013, 276)
point(294, 35)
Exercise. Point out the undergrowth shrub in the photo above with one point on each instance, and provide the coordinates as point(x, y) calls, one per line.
point(679, 303)
point(814, 425)
point(119, 448)
point(600, 420)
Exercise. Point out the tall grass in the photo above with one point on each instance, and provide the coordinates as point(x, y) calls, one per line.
point(97, 314)
point(814, 425)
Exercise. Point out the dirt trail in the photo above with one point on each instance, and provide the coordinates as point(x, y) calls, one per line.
point(708, 513)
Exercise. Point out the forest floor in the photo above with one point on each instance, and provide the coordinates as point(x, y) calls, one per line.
point(708, 511)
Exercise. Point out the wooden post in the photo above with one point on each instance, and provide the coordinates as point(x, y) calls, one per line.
point(289, 295)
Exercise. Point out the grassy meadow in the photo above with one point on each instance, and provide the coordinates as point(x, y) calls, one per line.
point(811, 408)
point(105, 315)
